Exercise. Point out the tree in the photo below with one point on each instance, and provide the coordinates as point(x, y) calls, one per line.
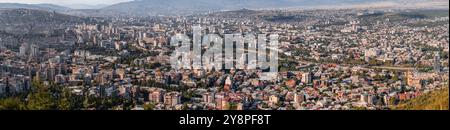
point(40, 98)
point(233, 106)
point(64, 102)
point(149, 106)
point(154, 65)
point(127, 104)
point(395, 77)
point(12, 104)
point(88, 102)
point(378, 77)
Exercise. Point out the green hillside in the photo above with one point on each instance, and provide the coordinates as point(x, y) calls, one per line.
point(437, 100)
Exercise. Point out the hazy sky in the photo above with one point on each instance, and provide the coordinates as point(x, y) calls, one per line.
point(65, 2)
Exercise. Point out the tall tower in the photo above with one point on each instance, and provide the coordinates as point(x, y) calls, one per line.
point(437, 62)
point(228, 84)
point(1, 44)
point(307, 77)
point(34, 51)
point(23, 50)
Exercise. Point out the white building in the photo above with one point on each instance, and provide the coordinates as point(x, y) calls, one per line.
point(208, 97)
point(34, 50)
point(306, 77)
point(372, 52)
point(23, 50)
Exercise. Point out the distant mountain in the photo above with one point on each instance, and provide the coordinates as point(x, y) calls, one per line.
point(187, 7)
point(47, 7)
point(177, 7)
point(86, 6)
point(170, 7)
point(23, 21)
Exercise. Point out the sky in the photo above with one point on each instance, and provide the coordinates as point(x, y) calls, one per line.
point(66, 2)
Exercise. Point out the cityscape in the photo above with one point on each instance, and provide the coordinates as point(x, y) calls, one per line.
point(355, 57)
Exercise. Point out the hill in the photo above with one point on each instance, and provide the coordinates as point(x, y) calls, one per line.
point(183, 7)
point(189, 7)
point(21, 21)
point(437, 100)
point(46, 7)
point(186, 7)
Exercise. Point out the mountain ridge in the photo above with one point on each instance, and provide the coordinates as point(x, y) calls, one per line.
point(177, 7)
point(46, 7)
point(188, 7)
point(27, 21)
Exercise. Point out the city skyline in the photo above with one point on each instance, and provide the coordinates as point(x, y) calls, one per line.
point(172, 55)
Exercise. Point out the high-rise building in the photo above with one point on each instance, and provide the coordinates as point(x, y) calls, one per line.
point(51, 72)
point(221, 101)
point(208, 97)
point(228, 84)
point(118, 45)
point(437, 62)
point(364, 97)
point(34, 50)
point(156, 96)
point(372, 52)
point(23, 49)
point(306, 77)
point(1, 44)
point(172, 98)
point(413, 80)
